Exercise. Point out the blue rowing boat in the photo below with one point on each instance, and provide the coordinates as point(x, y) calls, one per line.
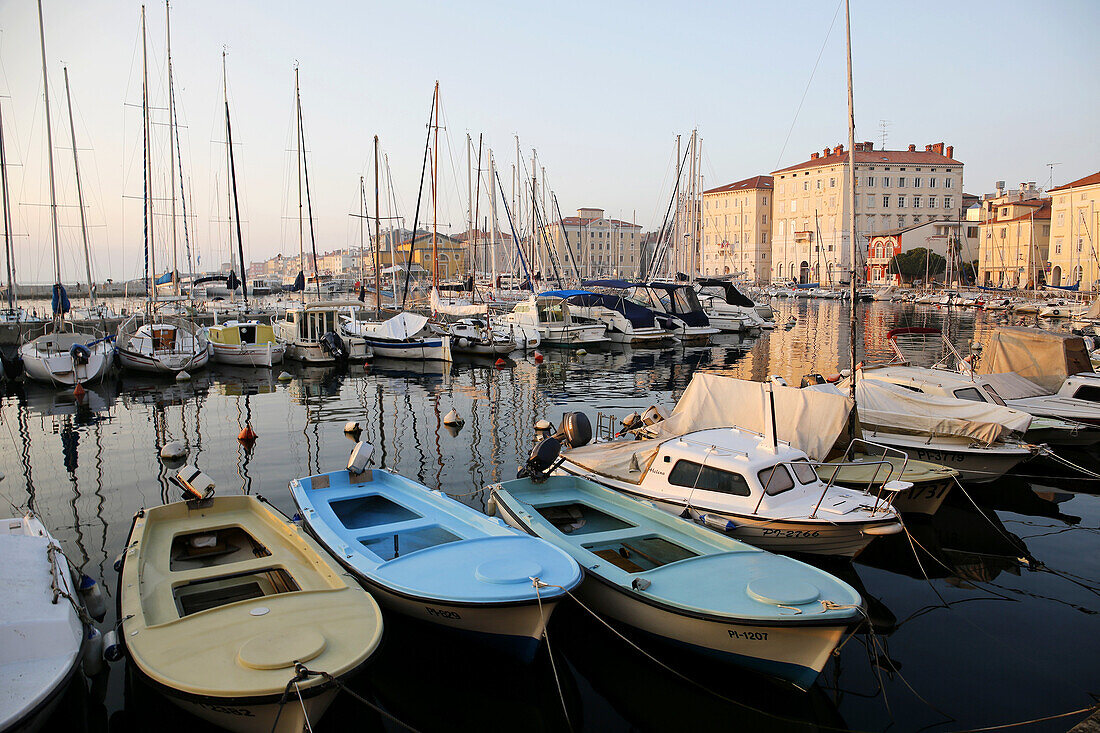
point(684, 583)
point(429, 557)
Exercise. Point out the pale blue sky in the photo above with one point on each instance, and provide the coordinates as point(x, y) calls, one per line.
point(599, 89)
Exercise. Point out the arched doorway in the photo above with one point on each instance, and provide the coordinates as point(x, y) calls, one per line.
point(804, 272)
point(1056, 275)
point(1077, 273)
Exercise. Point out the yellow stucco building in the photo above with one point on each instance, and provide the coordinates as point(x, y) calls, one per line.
point(737, 229)
point(1014, 241)
point(1074, 245)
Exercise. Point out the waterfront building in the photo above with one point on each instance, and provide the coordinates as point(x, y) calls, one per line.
point(936, 236)
point(737, 230)
point(602, 246)
point(1014, 238)
point(1074, 244)
point(894, 189)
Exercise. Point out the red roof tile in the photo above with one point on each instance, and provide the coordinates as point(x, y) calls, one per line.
point(745, 185)
point(578, 221)
point(896, 157)
point(1043, 212)
point(1086, 181)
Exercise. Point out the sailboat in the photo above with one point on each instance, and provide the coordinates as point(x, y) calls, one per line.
point(62, 355)
point(152, 341)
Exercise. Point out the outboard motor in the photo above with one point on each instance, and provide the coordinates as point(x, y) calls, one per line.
point(334, 345)
point(812, 379)
point(80, 354)
point(576, 429)
point(541, 461)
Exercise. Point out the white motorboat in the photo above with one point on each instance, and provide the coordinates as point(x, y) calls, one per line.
point(248, 343)
point(749, 483)
point(475, 336)
point(312, 333)
point(161, 344)
point(67, 358)
point(42, 634)
point(405, 336)
point(676, 305)
point(626, 321)
point(727, 307)
point(552, 317)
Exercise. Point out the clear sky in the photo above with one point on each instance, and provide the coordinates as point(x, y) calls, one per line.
point(600, 90)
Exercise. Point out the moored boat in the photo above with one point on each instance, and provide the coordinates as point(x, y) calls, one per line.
point(685, 584)
point(250, 343)
point(162, 345)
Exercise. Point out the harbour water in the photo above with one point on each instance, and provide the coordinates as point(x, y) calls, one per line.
point(985, 615)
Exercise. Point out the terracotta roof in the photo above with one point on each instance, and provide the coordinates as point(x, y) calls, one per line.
point(1086, 181)
point(578, 221)
point(1043, 212)
point(896, 157)
point(1037, 203)
point(745, 185)
point(481, 234)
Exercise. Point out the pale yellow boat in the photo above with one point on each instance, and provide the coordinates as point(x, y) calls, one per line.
point(220, 599)
point(248, 343)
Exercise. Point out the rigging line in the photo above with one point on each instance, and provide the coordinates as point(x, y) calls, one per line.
point(419, 197)
point(808, 83)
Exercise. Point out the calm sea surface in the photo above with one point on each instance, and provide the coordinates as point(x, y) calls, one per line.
point(994, 619)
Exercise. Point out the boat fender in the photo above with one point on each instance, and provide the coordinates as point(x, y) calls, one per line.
point(92, 595)
point(491, 506)
point(720, 523)
point(112, 649)
point(463, 342)
point(173, 451)
point(285, 377)
point(582, 352)
point(640, 584)
point(93, 652)
point(452, 418)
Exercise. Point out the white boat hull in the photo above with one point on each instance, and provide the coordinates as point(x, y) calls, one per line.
point(244, 718)
point(61, 371)
point(164, 362)
point(573, 335)
point(253, 355)
point(975, 465)
point(430, 349)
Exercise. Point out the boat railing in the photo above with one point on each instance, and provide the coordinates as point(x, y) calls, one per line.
point(836, 467)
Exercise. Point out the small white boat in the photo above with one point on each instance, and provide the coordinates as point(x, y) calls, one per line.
point(67, 358)
point(475, 336)
point(162, 345)
point(250, 343)
point(727, 307)
point(220, 599)
point(550, 315)
point(311, 333)
point(626, 321)
point(405, 336)
point(42, 635)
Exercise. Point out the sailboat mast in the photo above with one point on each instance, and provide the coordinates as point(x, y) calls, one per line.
point(171, 135)
point(852, 248)
point(435, 184)
point(228, 190)
point(49, 152)
point(493, 226)
point(149, 243)
point(363, 207)
point(233, 185)
point(377, 241)
point(8, 252)
point(79, 192)
point(298, 145)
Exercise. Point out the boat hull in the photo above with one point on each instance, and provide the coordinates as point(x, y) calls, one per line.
point(165, 363)
point(974, 467)
point(253, 355)
point(424, 350)
point(573, 336)
point(61, 371)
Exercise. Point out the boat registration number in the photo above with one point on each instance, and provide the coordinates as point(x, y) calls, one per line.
point(226, 710)
point(790, 533)
point(935, 456)
point(749, 635)
point(442, 613)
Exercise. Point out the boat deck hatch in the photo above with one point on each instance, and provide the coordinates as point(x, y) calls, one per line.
point(214, 547)
point(577, 518)
point(395, 544)
point(210, 593)
point(638, 554)
point(370, 511)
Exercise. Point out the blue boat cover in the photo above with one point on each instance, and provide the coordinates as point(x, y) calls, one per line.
point(619, 284)
point(60, 300)
point(638, 315)
point(563, 293)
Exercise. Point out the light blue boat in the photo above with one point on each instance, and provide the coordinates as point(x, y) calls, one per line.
point(685, 583)
point(427, 556)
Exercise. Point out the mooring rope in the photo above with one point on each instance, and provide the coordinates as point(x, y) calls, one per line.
point(539, 584)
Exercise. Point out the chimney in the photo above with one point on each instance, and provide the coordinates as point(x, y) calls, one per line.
point(938, 148)
point(868, 146)
point(928, 148)
point(828, 151)
point(839, 149)
point(950, 151)
point(912, 148)
point(814, 156)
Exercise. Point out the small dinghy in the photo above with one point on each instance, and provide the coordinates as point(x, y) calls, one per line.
point(684, 583)
point(42, 636)
point(220, 600)
point(429, 557)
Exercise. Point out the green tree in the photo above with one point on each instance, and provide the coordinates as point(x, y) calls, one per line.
point(911, 264)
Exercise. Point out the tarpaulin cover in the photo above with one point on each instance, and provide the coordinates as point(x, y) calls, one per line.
point(1012, 386)
point(809, 420)
point(889, 407)
point(457, 309)
point(1043, 357)
point(401, 327)
point(733, 295)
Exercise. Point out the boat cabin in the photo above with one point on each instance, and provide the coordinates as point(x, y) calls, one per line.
point(232, 333)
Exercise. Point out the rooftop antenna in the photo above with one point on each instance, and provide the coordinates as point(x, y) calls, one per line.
point(1050, 180)
point(884, 131)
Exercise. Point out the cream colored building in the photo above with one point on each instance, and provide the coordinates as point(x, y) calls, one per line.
point(1074, 244)
point(602, 246)
point(737, 229)
point(894, 189)
point(1013, 238)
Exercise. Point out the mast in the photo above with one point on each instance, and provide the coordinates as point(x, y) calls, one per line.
point(377, 241)
point(851, 202)
point(8, 253)
point(233, 186)
point(79, 192)
point(363, 205)
point(493, 227)
point(49, 152)
point(298, 144)
point(150, 249)
point(171, 135)
point(309, 202)
point(435, 184)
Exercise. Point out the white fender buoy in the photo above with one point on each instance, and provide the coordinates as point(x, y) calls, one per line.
point(353, 427)
point(112, 650)
point(183, 376)
point(453, 419)
point(285, 377)
point(173, 451)
point(92, 595)
point(93, 653)
point(581, 352)
point(544, 426)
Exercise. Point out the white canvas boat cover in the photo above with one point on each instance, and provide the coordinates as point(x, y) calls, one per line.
point(401, 327)
point(1094, 310)
point(456, 309)
point(890, 407)
point(809, 420)
point(1012, 386)
point(1043, 357)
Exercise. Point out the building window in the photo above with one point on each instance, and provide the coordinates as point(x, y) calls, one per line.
point(947, 202)
point(931, 202)
point(818, 184)
point(901, 202)
point(916, 202)
point(870, 201)
point(764, 200)
point(870, 180)
point(948, 183)
point(972, 232)
point(886, 202)
point(932, 182)
point(763, 218)
point(832, 183)
point(901, 221)
point(1058, 246)
point(886, 181)
point(794, 206)
point(901, 181)
point(805, 185)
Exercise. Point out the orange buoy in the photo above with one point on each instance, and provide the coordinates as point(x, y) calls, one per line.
point(248, 435)
point(538, 357)
point(78, 391)
point(500, 363)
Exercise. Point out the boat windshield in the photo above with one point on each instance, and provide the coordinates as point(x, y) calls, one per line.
point(685, 300)
point(551, 312)
point(776, 480)
point(804, 472)
point(697, 476)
